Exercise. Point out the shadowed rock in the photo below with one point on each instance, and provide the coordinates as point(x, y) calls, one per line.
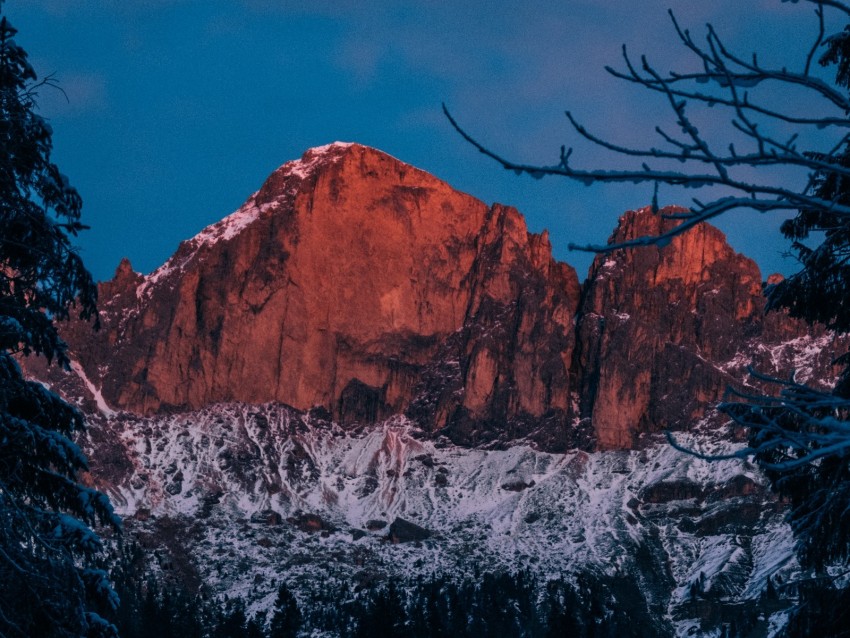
point(402, 531)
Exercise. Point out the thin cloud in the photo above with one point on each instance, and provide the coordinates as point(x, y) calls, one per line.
point(361, 57)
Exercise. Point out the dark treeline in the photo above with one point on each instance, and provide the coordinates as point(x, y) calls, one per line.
point(166, 609)
point(490, 605)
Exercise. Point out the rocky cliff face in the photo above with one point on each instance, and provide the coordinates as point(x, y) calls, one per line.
point(241, 498)
point(356, 284)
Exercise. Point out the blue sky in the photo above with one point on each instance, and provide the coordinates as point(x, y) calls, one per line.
point(177, 110)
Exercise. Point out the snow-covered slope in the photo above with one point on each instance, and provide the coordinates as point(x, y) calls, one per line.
point(241, 497)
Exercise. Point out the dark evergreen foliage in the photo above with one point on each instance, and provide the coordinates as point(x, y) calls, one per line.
point(167, 610)
point(818, 292)
point(481, 606)
point(824, 611)
point(232, 623)
point(498, 606)
point(41, 275)
point(286, 617)
point(45, 515)
point(48, 586)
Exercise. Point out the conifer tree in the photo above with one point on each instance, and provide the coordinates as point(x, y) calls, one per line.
point(48, 584)
point(286, 618)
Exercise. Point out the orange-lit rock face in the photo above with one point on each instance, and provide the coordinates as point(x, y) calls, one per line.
point(347, 282)
point(656, 323)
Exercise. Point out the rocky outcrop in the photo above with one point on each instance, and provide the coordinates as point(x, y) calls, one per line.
point(663, 332)
point(683, 531)
point(356, 283)
point(513, 353)
point(402, 531)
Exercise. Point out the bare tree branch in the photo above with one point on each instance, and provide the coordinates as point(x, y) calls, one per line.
point(733, 75)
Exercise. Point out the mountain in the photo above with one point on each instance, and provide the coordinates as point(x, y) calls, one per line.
point(360, 286)
point(365, 378)
point(356, 284)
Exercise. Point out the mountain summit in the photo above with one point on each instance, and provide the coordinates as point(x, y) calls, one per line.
point(357, 284)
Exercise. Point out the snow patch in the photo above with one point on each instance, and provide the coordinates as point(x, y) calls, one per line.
point(312, 158)
point(235, 223)
point(104, 408)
